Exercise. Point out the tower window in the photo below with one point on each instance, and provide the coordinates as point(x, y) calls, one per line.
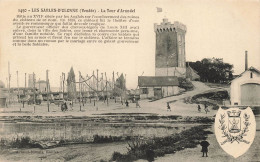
point(251, 75)
point(144, 90)
point(179, 37)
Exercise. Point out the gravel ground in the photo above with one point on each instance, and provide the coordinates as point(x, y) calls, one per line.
point(157, 107)
point(80, 152)
point(96, 152)
point(215, 153)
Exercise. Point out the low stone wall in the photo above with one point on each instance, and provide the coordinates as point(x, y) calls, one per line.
point(85, 130)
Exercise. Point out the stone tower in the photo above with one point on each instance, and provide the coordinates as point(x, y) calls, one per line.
point(30, 80)
point(170, 57)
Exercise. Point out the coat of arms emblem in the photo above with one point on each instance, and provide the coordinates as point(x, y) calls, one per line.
point(235, 130)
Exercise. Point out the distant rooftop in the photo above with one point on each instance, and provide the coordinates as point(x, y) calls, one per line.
point(157, 81)
point(252, 69)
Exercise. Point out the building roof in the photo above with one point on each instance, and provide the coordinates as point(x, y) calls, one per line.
point(154, 81)
point(252, 69)
point(2, 85)
point(41, 81)
point(191, 73)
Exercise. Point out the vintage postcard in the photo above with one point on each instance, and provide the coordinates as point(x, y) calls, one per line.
point(135, 80)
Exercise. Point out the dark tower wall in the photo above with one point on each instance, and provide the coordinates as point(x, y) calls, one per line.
point(170, 56)
point(166, 49)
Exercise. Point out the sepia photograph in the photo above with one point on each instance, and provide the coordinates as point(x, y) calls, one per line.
point(135, 80)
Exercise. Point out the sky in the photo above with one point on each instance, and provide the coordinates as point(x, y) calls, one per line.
point(215, 28)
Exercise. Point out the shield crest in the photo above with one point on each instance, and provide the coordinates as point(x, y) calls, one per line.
point(234, 121)
point(235, 130)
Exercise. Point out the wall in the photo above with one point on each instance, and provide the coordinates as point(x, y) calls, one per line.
point(166, 91)
point(84, 130)
point(170, 44)
point(172, 90)
point(235, 88)
point(149, 95)
point(41, 86)
point(181, 48)
point(172, 71)
point(166, 49)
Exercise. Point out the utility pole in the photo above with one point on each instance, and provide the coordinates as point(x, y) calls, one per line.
point(24, 80)
point(97, 90)
point(87, 88)
point(121, 89)
point(109, 81)
point(113, 84)
point(24, 87)
point(101, 80)
point(113, 80)
point(8, 91)
point(79, 90)
point(106, 88)
point(102, 87)
point(9, 79)
point(6, 82)
point(60, 90)
point(63, 81)
point(39, 84)
point(33, 92)
point(18, 89)
point(125, 88)
point(47, 89)
point(125, 81)
point(93, 84)
point(97, 82)
point(82, 91)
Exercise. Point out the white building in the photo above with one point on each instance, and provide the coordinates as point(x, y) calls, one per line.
point(30, 80)
point(41, 86)
point(158, 87)
point(245, 89)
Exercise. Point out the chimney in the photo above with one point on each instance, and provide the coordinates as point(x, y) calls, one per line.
point(246, 61)
point(165, 20)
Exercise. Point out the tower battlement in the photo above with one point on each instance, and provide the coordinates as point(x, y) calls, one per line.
point(167, 26)
point(170, 49)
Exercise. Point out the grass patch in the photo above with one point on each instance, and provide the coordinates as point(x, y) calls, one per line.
point(170, 117)
point(214, 95)
point(201, 119)
point(185, 84)
point(107, 139)
point(23, 142)
point(217, 85)
point(138, 147)
point(26, 142)
point(69, 157)
point(211, 98)
point(124, 114)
